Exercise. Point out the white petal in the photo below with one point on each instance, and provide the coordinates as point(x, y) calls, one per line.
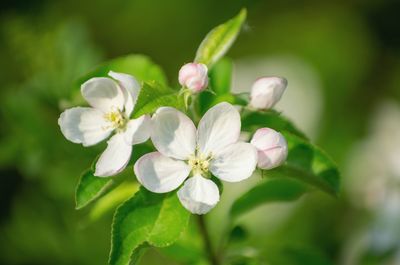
point(138, 130)
point(219, 127)
point(130, 87)
point(103, 93)
point(173, 133)
point(234, 163)
point(115, 158)
point(272, 148)
point(266, 138)
point(272, 158)
point(266, 92)
point(159, 173)
point(199, 195)
point(85, 126)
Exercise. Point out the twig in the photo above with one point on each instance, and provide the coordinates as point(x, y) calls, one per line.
point(207, 242)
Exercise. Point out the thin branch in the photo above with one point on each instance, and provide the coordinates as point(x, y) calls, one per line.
point(207, 242)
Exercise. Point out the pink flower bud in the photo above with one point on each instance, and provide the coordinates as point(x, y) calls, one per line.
point(271, 146)
point(194, 76)
point(266, 92)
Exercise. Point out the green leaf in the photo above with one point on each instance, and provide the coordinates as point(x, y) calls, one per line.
point(221, 76)
point(140, 66)
point(219, 40)
point(189, 248)
point(89, 188)
point(309, 164)
point(112, 199)
point(154, 95)
point(155, 219)
point(269, 190)
point(251, 121)
point(242, 99)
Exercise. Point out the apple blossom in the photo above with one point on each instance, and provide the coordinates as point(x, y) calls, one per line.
point(266, 92)
point(271, 146)
point(213, 149)
point(112, 102)
point(194, 77)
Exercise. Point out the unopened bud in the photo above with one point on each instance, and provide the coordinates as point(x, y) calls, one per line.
point(266, 92)
point(271, 146)
point(194, 76)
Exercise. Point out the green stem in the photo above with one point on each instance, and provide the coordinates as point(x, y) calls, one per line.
point(207, 242)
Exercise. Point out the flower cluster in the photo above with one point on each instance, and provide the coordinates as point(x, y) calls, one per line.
point(186, 158)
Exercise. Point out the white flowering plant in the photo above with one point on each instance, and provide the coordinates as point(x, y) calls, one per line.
point(170, 150)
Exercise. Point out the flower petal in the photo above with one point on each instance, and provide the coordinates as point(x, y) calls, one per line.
point(266, 138)
point(267, 91)
point(159, 173)
point(272, 148)
point(85, 126)
point(272, 158)
point(115, 158)
point(173, 133)
point(234, 163)
point(130, 87)
point(138, 130)
point(219, 127)
point(199, 195)
point(103, 93)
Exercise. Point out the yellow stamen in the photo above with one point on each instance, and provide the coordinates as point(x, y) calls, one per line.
point(117, 119)
point(200, 164)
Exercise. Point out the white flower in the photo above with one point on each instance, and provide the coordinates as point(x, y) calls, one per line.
point(182, 151)
point(194, 77)
point(272, 148)
point(112, 102)
point(266, 92)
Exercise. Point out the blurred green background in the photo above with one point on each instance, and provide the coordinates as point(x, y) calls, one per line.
point(342, 61)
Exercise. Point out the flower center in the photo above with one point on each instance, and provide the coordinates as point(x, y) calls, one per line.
point(117, 119)
point(200, 164)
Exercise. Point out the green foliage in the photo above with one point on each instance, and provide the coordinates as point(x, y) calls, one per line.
point(220, 85)
point(252, 120)
point(140, 66)
point(154, 219)
point(221, 76)
point(305, 161)
point(188, 249)
point(269, 190)
point(309, 164)
point(112, 199)
point(90, 187)
point(154, 95)
point(219, 40)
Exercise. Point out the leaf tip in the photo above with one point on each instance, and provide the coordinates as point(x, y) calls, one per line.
point(243, 13)
point(78, 206)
